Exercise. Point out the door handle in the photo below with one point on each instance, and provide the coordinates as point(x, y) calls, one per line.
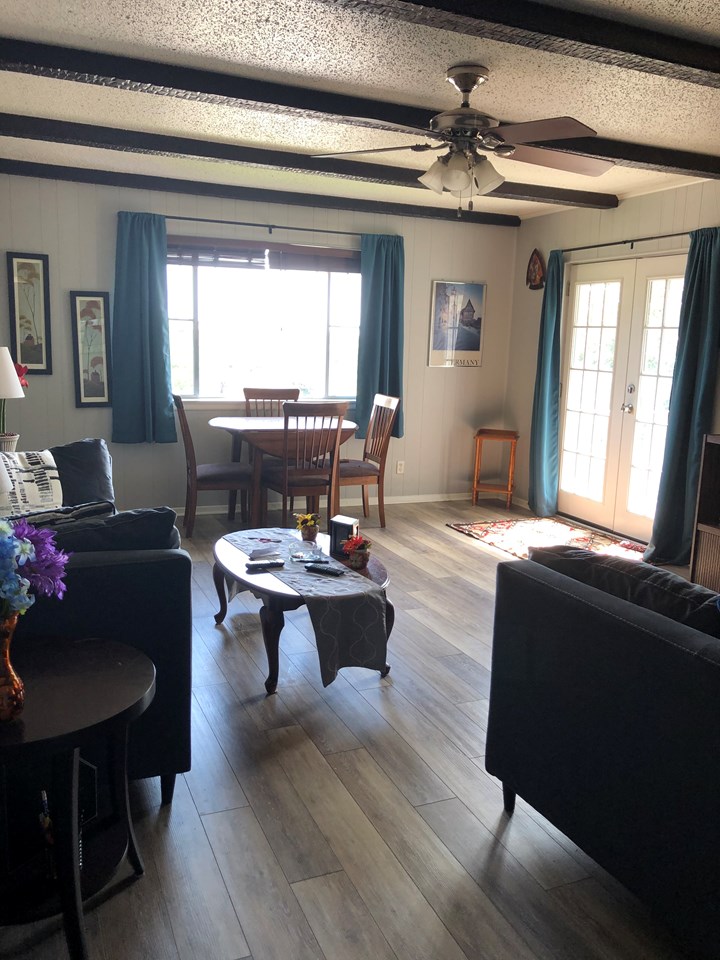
point(627, 408)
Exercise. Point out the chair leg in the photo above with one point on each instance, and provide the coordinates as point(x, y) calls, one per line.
point(190, 508)
point(244, 506)
point(381, 501)
point(365, 500)
point(284, 510)
point(232, 504)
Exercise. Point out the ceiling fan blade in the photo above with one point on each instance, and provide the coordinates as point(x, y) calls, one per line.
point(571, 162)
point(416, 147)
point(554, 128)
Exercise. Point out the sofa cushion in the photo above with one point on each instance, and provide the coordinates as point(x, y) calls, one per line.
point(85, 471)
point(659, 590)
point(143, 529)
point(62, 516)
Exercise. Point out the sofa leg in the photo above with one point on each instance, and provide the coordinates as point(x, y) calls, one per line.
point(167, 788)
point(508, 799)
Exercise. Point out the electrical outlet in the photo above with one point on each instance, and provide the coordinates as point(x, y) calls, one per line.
point(399, 466)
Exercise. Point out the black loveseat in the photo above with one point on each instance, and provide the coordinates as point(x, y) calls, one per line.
point(605, 717)
point(127, 580)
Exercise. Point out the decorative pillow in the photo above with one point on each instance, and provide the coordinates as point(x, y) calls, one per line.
point(85, 471)
point(640, 583)
point(35, 483)
point(144, 529)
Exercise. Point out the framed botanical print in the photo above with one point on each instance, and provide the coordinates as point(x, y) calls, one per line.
point(456, 324)
point(29, 295)
point(90, 313)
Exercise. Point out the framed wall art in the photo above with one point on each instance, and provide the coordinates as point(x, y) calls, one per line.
point(90, 313)
point(456, 324)
point(29, 294)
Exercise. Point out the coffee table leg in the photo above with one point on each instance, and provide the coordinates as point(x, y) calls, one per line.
point(219, 581)
point(272, 620)
point(389, 624)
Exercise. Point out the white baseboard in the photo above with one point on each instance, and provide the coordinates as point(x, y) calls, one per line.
point(214, 509)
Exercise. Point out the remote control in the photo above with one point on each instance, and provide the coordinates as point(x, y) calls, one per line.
point(257, 566)
point(321, 568)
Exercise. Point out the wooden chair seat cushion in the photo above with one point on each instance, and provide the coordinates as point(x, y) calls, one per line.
point(274, 474)
point(358, 468)
point(239, 473)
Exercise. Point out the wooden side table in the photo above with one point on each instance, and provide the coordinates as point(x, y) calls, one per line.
point(80, 696)
point(508, 436)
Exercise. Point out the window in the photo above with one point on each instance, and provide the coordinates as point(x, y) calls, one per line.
point(262, 315)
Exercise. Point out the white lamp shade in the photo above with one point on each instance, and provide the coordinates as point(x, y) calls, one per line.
point(10, 388)
point(485, 178)
point(5, 481)
point(457, 173)
point(433, 178)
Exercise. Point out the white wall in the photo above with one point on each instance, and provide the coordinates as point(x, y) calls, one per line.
point(74, 224)
point(672, 211)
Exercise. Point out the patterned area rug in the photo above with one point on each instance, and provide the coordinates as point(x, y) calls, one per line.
point(515, 536)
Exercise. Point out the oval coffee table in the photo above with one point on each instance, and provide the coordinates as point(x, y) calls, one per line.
point(278, 597)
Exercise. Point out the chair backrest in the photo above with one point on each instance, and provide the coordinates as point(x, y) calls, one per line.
point(268, 401)
point(382, 417)
point(312, 434)
point(190, 461)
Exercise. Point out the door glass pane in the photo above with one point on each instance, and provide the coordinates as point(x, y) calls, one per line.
point(587, 406)
point(653, 395)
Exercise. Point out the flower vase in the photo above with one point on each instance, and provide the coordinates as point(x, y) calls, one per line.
point(309, 532)
point(358, 559)
point(12, 689)
point(8, 442)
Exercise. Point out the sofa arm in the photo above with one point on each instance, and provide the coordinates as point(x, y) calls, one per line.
point(605, 717)
point(142, 598)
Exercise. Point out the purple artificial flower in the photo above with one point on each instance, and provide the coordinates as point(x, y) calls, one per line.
point(46, 571)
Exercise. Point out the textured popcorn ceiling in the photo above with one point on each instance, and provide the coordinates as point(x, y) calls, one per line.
point(315, 44)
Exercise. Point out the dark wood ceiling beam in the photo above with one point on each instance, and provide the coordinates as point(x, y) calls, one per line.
point(110, 138)
point(134, 181)
point(203, 86)
point(570, 33)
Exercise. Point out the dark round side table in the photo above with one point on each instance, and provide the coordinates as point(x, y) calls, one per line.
point(80, 696)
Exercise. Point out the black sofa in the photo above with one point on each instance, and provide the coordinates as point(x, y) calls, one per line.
point(127, 580)
point(605, 717)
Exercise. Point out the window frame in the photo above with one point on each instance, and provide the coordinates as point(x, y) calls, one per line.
point(253, 255)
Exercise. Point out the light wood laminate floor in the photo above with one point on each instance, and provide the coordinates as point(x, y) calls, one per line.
point(354, 822)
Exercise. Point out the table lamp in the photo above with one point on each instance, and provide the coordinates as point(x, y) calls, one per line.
point(10, 388)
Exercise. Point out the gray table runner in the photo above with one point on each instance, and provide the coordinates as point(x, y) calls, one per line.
point(347, 612)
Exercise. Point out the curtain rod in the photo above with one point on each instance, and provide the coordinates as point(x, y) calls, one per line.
point(265, 226)
point(619, 243)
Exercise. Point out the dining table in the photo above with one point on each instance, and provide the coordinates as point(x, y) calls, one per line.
point(264, 435)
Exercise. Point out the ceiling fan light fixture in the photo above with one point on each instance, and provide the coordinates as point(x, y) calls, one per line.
point(457, 175)
point(433, 177)
point(485, 178)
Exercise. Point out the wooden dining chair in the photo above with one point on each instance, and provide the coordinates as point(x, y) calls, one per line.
point(308, 466)
point(370, 471)
point(207, 476)
point(268, 401)
point(264, 402)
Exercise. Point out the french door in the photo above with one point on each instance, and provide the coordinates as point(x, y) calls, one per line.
point(622, 326)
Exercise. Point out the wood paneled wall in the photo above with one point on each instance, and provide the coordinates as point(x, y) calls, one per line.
point(75, 225)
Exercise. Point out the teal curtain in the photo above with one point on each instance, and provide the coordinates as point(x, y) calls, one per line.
point(545, 428)
point(691, 401)
point(380, 349)
point(143, 409)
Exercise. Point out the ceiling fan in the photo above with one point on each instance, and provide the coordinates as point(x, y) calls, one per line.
point(467, 134)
